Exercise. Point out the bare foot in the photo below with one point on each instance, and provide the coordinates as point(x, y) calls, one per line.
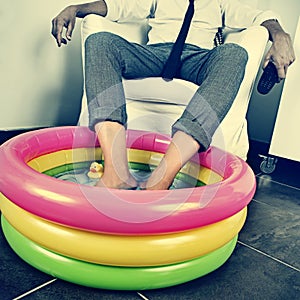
point(180, 150)
point(112, 137)
point(158, 179)
point(116, 183)
point(162, 185)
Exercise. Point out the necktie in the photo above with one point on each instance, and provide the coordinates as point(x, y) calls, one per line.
point(173, 60)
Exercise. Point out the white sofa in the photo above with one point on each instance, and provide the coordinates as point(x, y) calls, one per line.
point(154, 104)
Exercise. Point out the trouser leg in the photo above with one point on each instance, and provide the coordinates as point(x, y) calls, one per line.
point(108, 58)
point(219, 72)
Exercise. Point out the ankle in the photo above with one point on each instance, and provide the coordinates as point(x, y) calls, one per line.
point(114, 181)
point(122, 174)
point(163, 184)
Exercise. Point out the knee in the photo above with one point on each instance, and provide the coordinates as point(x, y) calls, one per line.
point(235, 52)
point(98, 41)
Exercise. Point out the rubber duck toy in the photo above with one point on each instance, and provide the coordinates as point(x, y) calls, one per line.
point(96, 170)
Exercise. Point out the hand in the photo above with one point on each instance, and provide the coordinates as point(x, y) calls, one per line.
point(281, 53)
point(67, 19)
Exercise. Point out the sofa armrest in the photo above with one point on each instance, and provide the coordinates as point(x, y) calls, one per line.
point(253, 39)
point(234, 125)
point(133, 32)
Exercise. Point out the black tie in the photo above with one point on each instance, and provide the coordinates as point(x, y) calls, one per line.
point(173, 61)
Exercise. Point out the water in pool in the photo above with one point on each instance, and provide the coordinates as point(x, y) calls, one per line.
point(141, 172)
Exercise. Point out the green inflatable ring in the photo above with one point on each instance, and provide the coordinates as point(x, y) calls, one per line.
point(109, 277)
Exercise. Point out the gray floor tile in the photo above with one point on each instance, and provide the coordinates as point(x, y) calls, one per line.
point(277, 195)
point(274, 231)
point(246, 275)
point(63, 290)
point(16, 276)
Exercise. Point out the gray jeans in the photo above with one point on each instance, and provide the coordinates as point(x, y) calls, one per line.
point(218, 72)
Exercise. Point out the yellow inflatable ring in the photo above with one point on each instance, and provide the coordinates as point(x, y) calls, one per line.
point(123, 250)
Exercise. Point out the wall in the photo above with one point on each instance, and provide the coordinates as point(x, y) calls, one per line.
point(285, 139)
point(41, 85)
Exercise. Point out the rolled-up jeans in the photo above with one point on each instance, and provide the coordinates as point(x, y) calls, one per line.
point(218, 72)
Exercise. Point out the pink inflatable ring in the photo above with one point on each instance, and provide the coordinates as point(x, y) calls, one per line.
point(112, 211)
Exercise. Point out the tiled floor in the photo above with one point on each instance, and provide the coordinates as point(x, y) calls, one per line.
point(264, 265)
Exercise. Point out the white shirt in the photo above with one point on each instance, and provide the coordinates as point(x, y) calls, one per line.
point(166, 17)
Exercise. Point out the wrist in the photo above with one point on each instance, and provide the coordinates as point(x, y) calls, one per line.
point(75, 9)
point(274, 29)
point(82, 10)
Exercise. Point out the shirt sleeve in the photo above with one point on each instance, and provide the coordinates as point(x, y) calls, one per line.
point(129, 10)
point(238, 15)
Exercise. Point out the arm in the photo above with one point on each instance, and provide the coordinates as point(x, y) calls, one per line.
point(67, 18)
point(239, 15)
point(281, 53)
